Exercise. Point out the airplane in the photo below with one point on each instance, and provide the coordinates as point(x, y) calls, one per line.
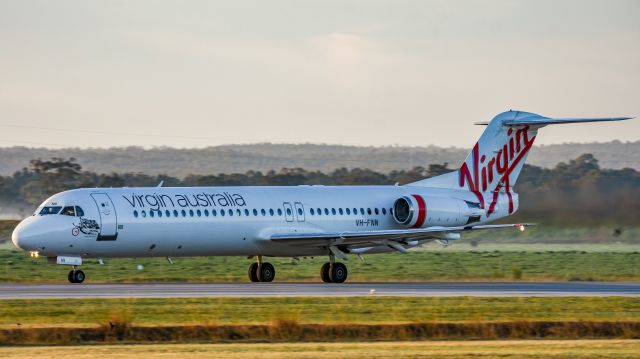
point(289, 221)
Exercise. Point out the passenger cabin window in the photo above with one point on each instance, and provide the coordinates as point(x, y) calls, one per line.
point(50, 210)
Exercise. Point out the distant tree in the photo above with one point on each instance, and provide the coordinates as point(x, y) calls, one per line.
point(50, 177)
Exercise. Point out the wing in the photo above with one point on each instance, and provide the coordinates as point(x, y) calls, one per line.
point(385, 237)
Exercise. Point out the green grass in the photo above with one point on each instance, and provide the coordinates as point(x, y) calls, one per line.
point(540, 253)
point(432, 264)
point(22, 313)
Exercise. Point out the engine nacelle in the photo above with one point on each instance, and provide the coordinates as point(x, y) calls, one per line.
point(419, 211)
point(410, 211)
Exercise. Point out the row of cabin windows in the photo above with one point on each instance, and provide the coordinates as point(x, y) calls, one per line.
point(349, 211)
point(271, 212)
point(207, 213)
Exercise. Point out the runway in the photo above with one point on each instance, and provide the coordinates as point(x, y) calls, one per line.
point(189, 290)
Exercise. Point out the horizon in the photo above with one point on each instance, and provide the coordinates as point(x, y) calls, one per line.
point(160, 147)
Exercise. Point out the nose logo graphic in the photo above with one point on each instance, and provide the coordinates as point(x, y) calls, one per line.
point(86, 226)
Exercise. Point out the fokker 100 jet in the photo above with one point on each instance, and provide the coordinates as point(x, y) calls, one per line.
point(292, 221)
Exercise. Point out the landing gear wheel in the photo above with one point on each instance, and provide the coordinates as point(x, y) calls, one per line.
point(266, 272)
point(253, 272)
point(70, 277)
point(324, 272)
point(76, 276)
point(338, 272)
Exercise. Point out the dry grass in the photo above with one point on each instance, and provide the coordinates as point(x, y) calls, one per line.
point(291, 331)
point(455, 349)
point(21, 313)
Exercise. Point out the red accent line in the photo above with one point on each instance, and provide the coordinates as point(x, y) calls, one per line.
point(422, 211)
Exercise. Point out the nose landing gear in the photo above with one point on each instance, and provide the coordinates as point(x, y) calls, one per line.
point(261, 271)
point(76, 276)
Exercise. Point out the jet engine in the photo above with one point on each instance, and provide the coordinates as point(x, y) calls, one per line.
point(418, 211)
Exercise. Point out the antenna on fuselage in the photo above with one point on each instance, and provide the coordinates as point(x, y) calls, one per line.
point(160, 184)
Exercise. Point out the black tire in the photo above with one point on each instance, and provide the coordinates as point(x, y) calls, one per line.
point(253, 272)
point(266, 272)
point(71, 277)
point(78, 276)
point(338, 273)
point(324, 272)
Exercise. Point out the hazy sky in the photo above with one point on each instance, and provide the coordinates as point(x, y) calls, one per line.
point(201, 73)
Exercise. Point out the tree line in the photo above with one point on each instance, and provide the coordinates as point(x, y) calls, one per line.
point(577, 191)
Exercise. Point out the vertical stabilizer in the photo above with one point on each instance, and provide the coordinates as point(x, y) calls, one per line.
point(494, 163)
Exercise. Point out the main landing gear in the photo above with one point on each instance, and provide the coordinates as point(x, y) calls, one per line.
point(261, 271)
point(76, 276)
point(333, 272)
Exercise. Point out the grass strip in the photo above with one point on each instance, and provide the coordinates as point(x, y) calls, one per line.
point(426, 265)
point(291, 331)
point(17, 313)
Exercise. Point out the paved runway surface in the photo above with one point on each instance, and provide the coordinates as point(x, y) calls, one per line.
point(178, 290)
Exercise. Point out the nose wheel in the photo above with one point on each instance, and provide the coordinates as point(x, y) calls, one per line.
point(76, 276)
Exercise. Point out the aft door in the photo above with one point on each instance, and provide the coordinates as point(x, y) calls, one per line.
point(108, 219)
point(299, 211)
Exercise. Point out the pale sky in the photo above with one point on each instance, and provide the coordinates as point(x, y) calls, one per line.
point(416, 73)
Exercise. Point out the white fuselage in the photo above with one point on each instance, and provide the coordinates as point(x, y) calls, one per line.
point(210, 221)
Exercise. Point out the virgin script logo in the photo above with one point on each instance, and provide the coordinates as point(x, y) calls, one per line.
point(501, 165)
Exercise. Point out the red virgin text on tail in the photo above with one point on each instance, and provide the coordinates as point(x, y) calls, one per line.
point(481, 175)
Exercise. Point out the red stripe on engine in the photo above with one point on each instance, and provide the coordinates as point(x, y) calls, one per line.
point(422, 211)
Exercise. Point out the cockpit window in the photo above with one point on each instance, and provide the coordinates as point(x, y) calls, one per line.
point(73, 211)
point(68, 211)
point(50, 210)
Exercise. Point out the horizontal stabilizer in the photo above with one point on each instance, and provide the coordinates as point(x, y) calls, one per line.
point(537, 120)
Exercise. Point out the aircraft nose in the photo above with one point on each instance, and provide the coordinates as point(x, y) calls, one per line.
point(23, 236)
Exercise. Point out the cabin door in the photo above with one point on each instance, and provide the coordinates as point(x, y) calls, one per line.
point(108, 219)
